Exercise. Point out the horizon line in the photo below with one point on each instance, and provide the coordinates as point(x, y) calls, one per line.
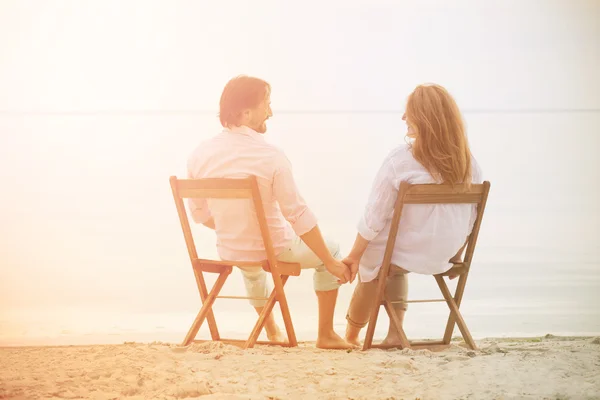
point(299, 111)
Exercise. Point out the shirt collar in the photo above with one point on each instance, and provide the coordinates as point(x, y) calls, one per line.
point(244, 130)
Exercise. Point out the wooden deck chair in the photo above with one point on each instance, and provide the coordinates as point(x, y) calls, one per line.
point(242, 189)
point(431, 194)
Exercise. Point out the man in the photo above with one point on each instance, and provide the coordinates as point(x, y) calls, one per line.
point(238, 151)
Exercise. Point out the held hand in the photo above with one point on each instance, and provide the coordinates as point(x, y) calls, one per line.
point(339, 270)
point(352, 263)
point(455, 260)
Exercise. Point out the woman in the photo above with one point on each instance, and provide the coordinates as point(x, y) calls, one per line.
point(429, 235)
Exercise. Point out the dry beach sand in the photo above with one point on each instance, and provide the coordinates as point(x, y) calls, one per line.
point(533, 368)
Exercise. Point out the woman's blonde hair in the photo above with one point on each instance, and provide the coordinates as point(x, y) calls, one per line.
point(440, 143)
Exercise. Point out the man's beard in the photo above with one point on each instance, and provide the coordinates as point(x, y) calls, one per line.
point(262, 128)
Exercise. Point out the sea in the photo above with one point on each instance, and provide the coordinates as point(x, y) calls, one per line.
point(91, 250)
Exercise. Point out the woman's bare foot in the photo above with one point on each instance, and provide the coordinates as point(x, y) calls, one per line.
point(332, 340)
point(352, 335)
point(353, 341)
point(391, 341)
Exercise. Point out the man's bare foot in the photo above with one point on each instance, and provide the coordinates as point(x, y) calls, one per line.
point(391, 341)
point(332, 341)
point(277, 336)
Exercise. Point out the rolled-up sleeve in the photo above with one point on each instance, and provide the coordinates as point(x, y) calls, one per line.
point(380, 205)
point(198, 207)
point(292, 205)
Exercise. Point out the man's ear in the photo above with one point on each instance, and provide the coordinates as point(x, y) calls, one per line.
point(247, 114)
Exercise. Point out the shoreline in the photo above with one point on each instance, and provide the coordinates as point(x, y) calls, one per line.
point(303, 343)
point(174, 338)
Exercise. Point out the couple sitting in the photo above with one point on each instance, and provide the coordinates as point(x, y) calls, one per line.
point(429, 236)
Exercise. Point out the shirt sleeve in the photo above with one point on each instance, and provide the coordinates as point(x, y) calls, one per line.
point(198, 207)
point(380, 205)
point(292, 205)
point(199, 210)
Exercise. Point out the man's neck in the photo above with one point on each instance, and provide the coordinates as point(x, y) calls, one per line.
point(245, 130)
point(242, 127)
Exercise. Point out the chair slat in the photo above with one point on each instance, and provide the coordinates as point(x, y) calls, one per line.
point(215, 188)
point(446, 189)
point(214, 183)
point(215, 194)
point(231, 263)
point(285, 268)
point(444, 194)
point(417, 301)
point(212, 267)
point(243, 298)
point(462, 198)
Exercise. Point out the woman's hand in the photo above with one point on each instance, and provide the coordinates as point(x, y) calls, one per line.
point(339, 270)
point(352, 264)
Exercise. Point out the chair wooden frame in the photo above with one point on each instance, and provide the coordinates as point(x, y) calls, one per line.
point(280, 271)
point(431, 194)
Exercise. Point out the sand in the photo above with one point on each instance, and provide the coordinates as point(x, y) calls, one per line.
point(534, 368)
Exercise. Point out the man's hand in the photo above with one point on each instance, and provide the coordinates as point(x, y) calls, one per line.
point(209, 223)
point(352, 263)
point(339, 270)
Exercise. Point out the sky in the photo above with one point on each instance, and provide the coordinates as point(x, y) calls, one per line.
point(60, 56)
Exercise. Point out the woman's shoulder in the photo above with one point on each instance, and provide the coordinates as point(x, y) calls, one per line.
point(400, 153)
point(400, 159)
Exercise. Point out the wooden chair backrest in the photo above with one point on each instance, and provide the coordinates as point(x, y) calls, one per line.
point(221, 188)
point(439, 194)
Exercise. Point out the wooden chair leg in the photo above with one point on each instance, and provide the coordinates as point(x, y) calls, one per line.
point(371, 327)
point(260, 323)
point(375, 311)
point(455, 312)
point(460, 289)
point(396, 324)
point(212, 323)
point(285, 313)
point(206, 309)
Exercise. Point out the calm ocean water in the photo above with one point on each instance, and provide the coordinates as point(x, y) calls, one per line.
point(91, 249)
